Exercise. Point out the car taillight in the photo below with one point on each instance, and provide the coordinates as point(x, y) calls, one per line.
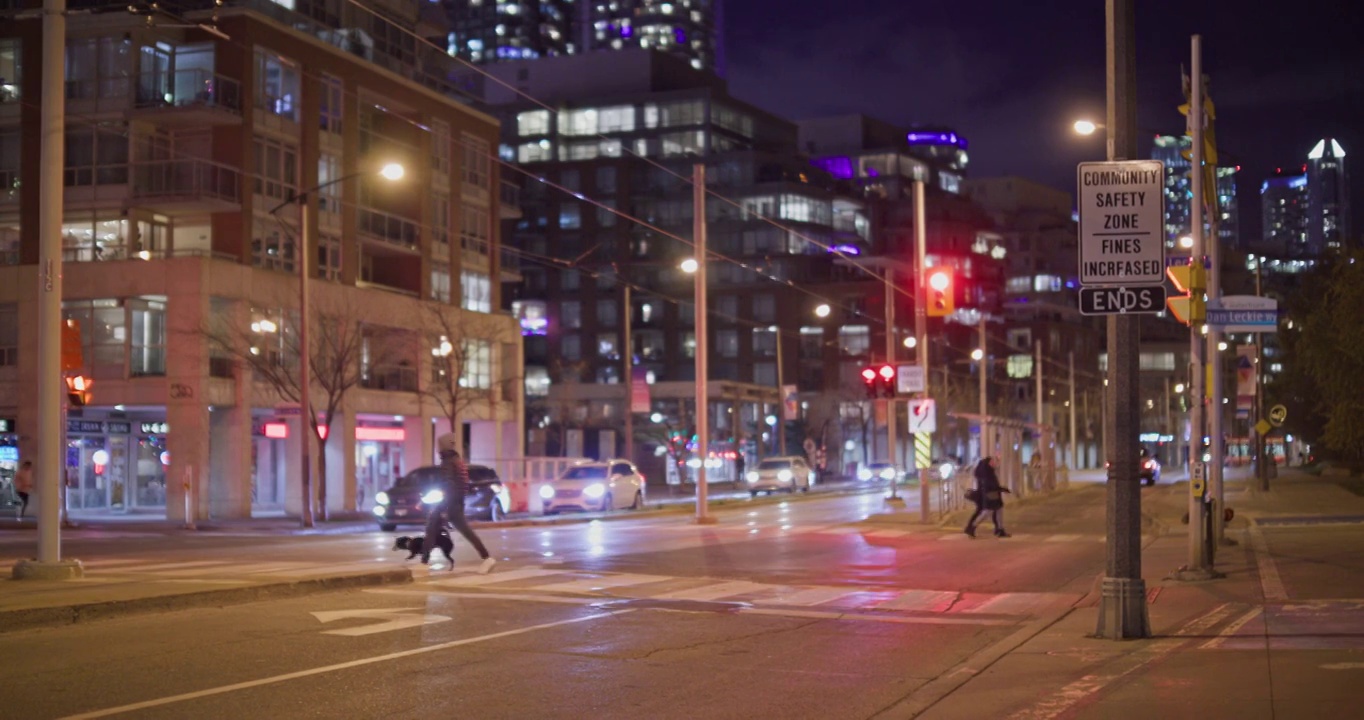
point(1147, 464)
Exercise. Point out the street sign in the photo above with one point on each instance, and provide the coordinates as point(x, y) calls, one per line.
point(922, 416)
point(1263, 427)
point(1277, 415)
point(909, 379)
point(1122, 222)
point(1120, 300)
point(1244, 313)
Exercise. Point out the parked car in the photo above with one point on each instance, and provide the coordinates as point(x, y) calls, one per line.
point(780, 473)
point(879, 471)
point(410, 499)
point(605, 485)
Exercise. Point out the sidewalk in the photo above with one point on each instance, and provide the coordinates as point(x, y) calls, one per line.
point(1213, 651)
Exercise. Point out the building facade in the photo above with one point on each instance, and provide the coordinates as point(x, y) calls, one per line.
point(1328, 198)
point(1283, 208)
point(187, 149)
point(1171, 149)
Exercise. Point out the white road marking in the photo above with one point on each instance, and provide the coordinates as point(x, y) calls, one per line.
point(209, 692)
point(165, 567)
point(472, 580)
point(714, 591)
point(925, 600)
point(1020, 603)
point(528, 597)
point(398, 619)
point(1231, 629)
point(1270, 583)
point(899, 619)
point(1344, 666)
point(810, 596)
point(604, 582)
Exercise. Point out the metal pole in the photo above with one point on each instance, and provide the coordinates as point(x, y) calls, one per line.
point(781, 396)
point(1217, 406)
point(305, 408)
point(921, 319)
point(629, 380)
point(49, 428)
point(1122, 611)
point(1169, 424)
point(1261, 462)
point(1198, 563)
point(1074, 446)
point(702, 410)
point(1038, 444)
point(892, 454)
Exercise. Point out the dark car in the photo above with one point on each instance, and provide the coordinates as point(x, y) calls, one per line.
point(411, 498)
point(1150, 470)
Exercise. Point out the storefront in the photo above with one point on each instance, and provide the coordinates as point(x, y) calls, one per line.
point(116, 465)
point(9, 461)
point(269, 464)
point(378, 458)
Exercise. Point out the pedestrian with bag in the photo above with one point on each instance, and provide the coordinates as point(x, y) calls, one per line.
point(988, 495)
point(23, 485)
point(451, 510)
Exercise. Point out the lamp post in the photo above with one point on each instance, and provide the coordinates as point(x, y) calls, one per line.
point(391, 171)
point(697, 266)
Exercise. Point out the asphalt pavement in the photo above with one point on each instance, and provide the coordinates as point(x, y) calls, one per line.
point(1278, 634)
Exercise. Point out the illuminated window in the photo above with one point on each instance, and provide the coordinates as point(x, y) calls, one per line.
point(532, 122)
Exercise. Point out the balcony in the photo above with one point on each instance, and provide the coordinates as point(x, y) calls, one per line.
point(509, 199)
point(185, 187)
point(390, 231)
point(187, 98)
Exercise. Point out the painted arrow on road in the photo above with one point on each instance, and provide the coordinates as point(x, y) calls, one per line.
point(398, 619)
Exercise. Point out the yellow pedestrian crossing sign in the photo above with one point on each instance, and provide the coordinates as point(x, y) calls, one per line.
point(1263, 427)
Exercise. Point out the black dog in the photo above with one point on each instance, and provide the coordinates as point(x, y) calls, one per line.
point(414, 545)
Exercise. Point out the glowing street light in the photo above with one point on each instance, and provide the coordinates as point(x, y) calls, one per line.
point(1186, 242)
point(822, 310)
point(1086, 127)
point(689, 265)
point(911, 342)
point(977, 354)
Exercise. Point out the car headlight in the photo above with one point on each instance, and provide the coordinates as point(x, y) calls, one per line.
point(380, 510)
point(753, 477)
point(887, 473)
point(433, 497)
point(945, 470)
point(546, 492)
point(496, 488)
point(784, 475)
point(864, 474)
point(595, 490)
point(381, 497)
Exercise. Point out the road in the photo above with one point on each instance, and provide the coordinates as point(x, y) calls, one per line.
point(793, 609)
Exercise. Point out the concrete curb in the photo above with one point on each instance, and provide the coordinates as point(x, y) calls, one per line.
point(58, 615)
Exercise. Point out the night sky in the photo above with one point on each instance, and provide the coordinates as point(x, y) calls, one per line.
point(1013, 78)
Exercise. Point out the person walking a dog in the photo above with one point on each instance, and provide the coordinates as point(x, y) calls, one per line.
point(452, 509)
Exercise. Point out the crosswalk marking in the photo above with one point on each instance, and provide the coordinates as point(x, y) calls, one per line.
point(714, 591)
point(471, 580)
point(602, 583)
point(921, 600)
point(810, 596)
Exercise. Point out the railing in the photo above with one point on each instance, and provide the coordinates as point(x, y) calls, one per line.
point(189, 88)
point(389, 228)
point(393, 378)
point(186, 179)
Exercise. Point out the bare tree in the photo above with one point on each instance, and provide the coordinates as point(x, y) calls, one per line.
point(463, 349)
point(561, 408)
point(340, 355)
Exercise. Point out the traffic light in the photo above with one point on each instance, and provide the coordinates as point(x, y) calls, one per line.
point(869, 381)
point(1189, 308)
point(887, 375)
point(940, 292)
point(78, 390)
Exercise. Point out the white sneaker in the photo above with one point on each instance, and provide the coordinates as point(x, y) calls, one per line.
point(487, 566)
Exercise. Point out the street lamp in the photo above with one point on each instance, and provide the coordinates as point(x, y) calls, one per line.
point(1086, 127)
point(390, 172)
point(822, 310)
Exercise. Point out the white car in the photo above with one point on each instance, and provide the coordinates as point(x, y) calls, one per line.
point(780, 473)
point(878, 471)
point(605, 485)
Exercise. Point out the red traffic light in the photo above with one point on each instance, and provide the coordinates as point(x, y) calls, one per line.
point(887, 372)
point(869, 374)
point(939, 280)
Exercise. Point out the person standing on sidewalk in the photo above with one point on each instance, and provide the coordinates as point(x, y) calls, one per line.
point(989, 496)
point(452, 509)
point(23, 485)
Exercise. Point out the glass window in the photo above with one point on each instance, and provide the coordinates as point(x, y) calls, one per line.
point(104, 328)
point(570, 347)
point(727, 343)
point(477, 365)
point(333, 104)
point(474, 228)
point(606, 179)
point(96, 154)
point(535, 152)
point(571, 179)
point(276, 168)
point(765, 373)
point(854, 340)
point(570, 280)
point(616, 119)
point(606, 218)
point(329, 256)
point(532, 122)
point(11, 65)
point(476, 289)
point(727, 306)
point(607, 313)
point(329, 197)
point(96, 238)
point(570, 216)
point(688, 112)
point(477, 161)
point(765, 341)
point(271, 247)
point(440, 146)
point(571, 315)
point(440, 223)
point(764, 307)
point(276, 85)
point(99, 68)
point(9, 165)
point(606, 346)
point(9, 335)
point(148, 342)
point(440, 281)
point(811, 343)
point(690, 142)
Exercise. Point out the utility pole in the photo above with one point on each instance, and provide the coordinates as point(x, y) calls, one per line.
point(986, 442)
point(628, 380)
point(1074, 446)
point(1261, 466)
point(50, 427)
point(698, 179)
point(1199, 564)
point(921, 327)
point(1122, 610)
point(781, 395)
point(1217, 407)
point(1037, 363)
point(1169, 423)
point(892, 450)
